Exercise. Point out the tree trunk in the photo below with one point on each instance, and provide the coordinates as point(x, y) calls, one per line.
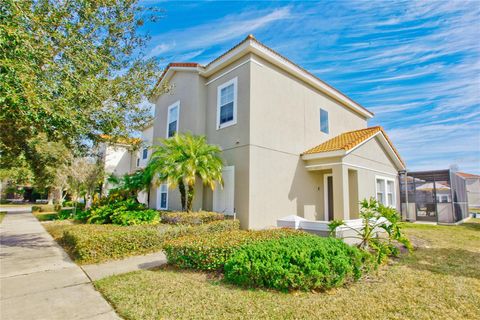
point(51, 195)
point(190, 196)
point(181, 187)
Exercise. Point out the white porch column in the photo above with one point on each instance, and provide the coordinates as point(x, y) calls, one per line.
point(341, 205)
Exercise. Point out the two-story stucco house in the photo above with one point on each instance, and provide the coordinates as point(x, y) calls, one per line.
point(292, 144)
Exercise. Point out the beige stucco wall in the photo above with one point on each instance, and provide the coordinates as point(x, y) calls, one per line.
point(371, 160)
point(198, 112)
point(284, 122)
point(278, 117)
point(281, 186)
point(285, 112)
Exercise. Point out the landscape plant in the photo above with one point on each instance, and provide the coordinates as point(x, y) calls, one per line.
point(380, 232)
point(306, 262)
point(190, 218)
point(209, 252)
point(90, 243)
point(69, 71)
point(180, 160)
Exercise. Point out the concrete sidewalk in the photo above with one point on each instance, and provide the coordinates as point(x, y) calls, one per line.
point(37, 278)
point(135, 263)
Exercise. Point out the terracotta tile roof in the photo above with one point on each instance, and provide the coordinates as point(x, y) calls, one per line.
point(348, 140)
point(468, 175)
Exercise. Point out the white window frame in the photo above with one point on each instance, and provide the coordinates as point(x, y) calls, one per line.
point(320, 120)
point(144, 157)
point(160, 196)
point(175, 105)
point(385, 194)
point(233, 81)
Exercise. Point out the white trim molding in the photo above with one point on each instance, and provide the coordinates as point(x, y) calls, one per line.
point(231, 69)
point(385, 193)
point(170, 107)
point(341, 153)
point(233, 82)
point(314, 167)
point(250, 45)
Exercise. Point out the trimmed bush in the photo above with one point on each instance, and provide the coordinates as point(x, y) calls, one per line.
point(125, 213)
point(190, 218)
point(211, 251)
point(89, 243)
point(128, 218)
point(306, 262)
point(44, 208)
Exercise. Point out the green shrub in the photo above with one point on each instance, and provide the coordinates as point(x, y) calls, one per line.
point(47, 216)
point(128, 218)
point(377, 218)
point(2, 215)
point(44, 208)
point(88, 243)
point(190, 218)
point(65, 214)
point(211, 251)
point(128, 212)
point(306, 262)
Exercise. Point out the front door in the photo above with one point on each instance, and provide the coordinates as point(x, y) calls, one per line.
point(223, 199)
point(329, 197)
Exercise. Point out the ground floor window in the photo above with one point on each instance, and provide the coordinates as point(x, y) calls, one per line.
point(385, 191)
point(163, 197)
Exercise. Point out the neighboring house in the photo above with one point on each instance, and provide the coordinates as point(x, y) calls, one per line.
point(473, 189)
point(125, 156)
point(292, 144)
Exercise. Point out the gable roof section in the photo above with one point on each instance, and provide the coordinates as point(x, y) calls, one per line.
point(346, 142)
point(252, 45)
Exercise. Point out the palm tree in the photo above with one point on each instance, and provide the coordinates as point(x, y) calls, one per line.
point(179, 160)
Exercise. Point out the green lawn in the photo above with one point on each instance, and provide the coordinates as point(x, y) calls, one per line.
point(2, 215)
point(441, 280)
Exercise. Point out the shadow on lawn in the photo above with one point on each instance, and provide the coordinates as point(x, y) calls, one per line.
point(447, 261)
point(471, 225)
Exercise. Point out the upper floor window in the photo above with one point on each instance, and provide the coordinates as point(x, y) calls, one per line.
point(324, 121)
point(227, 104)
point(145, 153)
point(386, 191)
point(172, 119)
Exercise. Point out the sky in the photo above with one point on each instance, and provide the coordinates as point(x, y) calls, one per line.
point(416, 65)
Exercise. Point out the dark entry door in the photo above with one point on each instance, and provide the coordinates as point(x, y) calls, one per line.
point(330, 197)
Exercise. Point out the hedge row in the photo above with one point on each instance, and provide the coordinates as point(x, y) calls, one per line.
point(306, 262)
point(98, 243)
point(212, 251)
point(190, 218)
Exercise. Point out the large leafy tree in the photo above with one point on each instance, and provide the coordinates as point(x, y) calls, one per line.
point(69, 71)
point(183, 158)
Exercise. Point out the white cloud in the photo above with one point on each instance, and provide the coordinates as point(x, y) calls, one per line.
point(217, 32)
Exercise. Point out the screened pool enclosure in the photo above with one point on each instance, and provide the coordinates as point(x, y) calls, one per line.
point(434, 196)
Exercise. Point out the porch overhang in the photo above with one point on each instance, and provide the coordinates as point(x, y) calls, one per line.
point(338, 148)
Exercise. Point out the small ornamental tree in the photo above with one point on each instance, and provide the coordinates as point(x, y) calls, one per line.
point(376, 218)
point(183, 158)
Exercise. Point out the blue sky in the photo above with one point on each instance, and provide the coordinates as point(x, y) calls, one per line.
point(416, 65)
